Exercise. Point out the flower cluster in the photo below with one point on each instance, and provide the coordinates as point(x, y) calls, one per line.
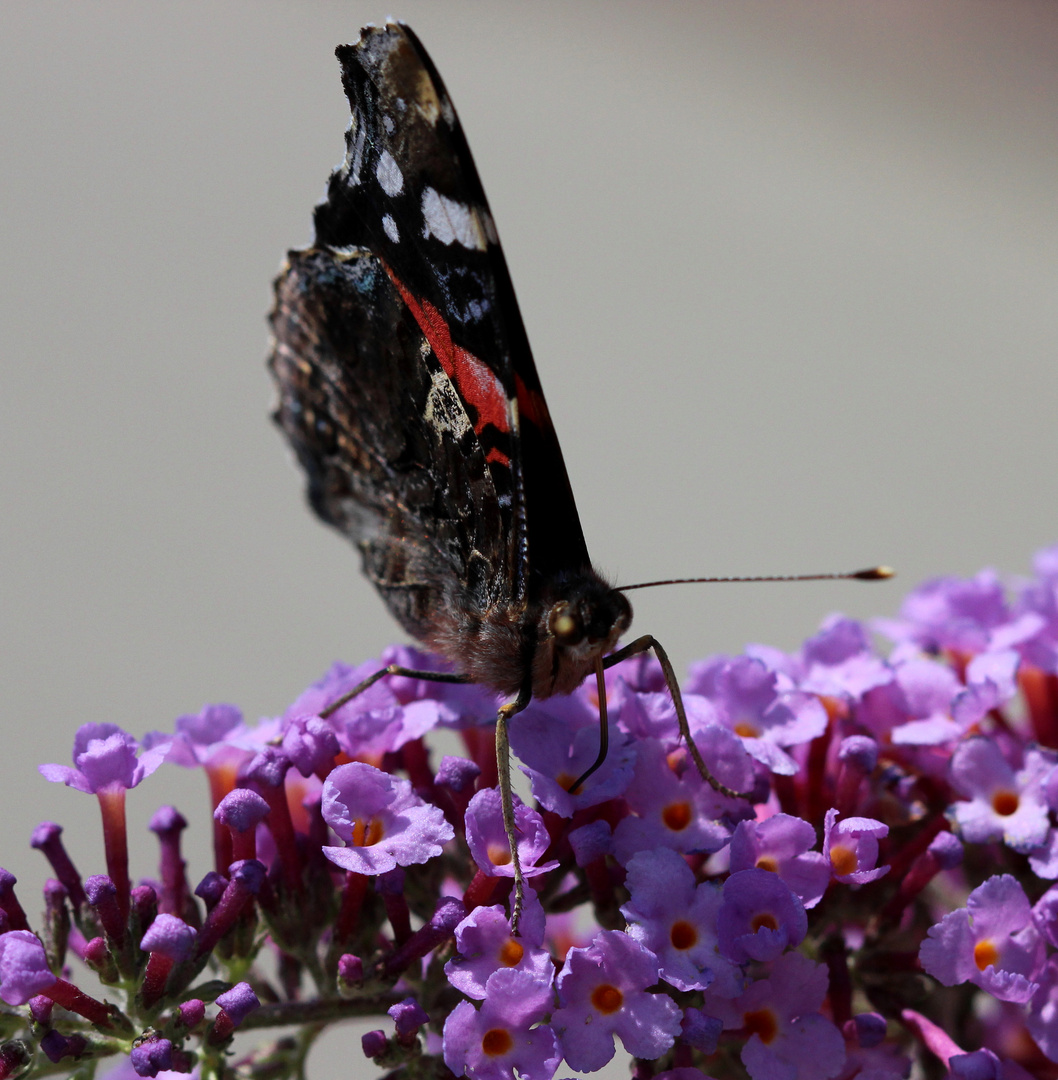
point(880, 895)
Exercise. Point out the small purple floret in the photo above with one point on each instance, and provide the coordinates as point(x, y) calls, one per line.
point(238, 1002)
point(850, 846)
point(24, 970)
point(383, 822)
point(760, 917)
point(170, 936)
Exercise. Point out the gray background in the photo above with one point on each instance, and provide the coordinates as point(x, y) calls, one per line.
point(788, 270)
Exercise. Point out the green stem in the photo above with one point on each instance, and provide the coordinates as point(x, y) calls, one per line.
point(321, 1011)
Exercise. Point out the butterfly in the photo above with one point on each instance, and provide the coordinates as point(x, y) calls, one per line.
point(409, 394)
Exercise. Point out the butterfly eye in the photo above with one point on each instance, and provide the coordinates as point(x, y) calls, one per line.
point(565, 625)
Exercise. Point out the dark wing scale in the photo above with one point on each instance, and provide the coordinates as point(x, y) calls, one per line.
point(408, 191)
point(368, 412)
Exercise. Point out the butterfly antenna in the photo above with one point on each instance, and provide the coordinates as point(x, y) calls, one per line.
point(872, 573)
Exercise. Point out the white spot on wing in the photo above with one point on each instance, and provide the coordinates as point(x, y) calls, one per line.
point(391, 228)
point(448, 112)
point(388, 174)
point(387, 123)
point(444, 411)
point(354, 154)
point(490, 227)
point(451, 221)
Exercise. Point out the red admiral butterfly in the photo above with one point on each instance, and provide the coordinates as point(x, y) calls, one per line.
point(409, 394)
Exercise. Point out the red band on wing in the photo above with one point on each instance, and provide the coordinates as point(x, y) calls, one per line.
point(531, 404)
point(473, 379)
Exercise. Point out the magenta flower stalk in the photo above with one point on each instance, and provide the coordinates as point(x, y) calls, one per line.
point(168, 941)
point(246, 880)
point(241, 811)
point(267, 774)
point(47, 838)
point(116, 843)
point(168, 824)
point(9, 905)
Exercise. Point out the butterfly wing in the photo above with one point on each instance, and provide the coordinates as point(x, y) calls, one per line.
point(406, 382)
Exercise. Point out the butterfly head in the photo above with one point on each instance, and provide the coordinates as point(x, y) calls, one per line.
point(583, 623)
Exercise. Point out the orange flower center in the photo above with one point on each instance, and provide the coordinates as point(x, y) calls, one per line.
point(765, 920)
point(607, 999)
point(677, 816)
point(746, 729)
point(683, 935)
point(843, 859)
point(497, 1042)
point(499, 855)
point(565, 780)
point(761, 1022)
point(511, 953)
point(1005, 803)
point(367, 833)
point(985, 953)
point(769, 863)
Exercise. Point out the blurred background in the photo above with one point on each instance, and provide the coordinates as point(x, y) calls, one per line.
point(788, 269)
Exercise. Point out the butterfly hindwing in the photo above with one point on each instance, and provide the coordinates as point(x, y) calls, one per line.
point(368, 410)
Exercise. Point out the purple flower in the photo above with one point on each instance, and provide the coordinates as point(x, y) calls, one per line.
point(458, 773)
point(488, 842)
point(749, 701)
point(951, 613)
point(376, 721)
point(850, 847)
point(557, 741)
point(105, 760)
point(1002, 804)
point(602, 992)
point(923, 693)
point(24, 970)
point(462, 704)
point(152, 1056)
point(668, 810)
point(238, 1002)
point(367, 725)
point(839, 662)
point(212, 738)
point(788, 1038)
point(781, 844)
point(991, 942)
point(676, 919)
point(408, 1016)
point(310, 743)
point(381, 820)
point(506, 1035)
point(170, 936)
point(1042, 1021)
point(645, 714)
point(1045, 915)
point(485, 944)
point(759, 918)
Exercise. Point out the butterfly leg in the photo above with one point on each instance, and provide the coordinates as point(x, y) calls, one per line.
point(644, 644)
point(503, 768)
point(604, 728)
point(393, 669)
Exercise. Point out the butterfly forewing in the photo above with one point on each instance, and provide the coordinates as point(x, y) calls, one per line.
point(406, 382)
point(409, 191)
